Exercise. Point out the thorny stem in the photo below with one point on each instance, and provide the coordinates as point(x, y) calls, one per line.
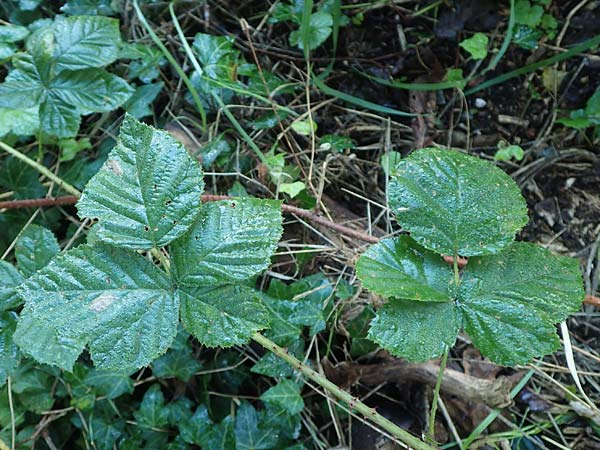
point(400, 434)
point(40, 168)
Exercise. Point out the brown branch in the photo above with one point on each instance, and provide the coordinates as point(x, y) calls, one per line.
point(37, 202)
point(310, 215)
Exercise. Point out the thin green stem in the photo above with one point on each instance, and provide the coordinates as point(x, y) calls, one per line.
point(173, 62)
point(586, 45)
point(394, 430)
point(436, 395)
point(217, 98)
point(456, 272)
point(443, 362)
point(41, 169)
point(240, 129)
point(496, 412)
point(507, 39)
point(13, 427)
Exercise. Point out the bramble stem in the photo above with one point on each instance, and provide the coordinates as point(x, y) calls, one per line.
point(400, 434)
point(456, 273)
point(444, 361)
point(436, 395)
point(40, 168)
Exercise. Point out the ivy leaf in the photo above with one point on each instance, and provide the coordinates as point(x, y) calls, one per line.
point(222, 436)
point(276, 417)
point(105, 433)
point(271, 365)
point(21, 179)
point(194, 429)
point(139, 103)
point(285, 394)
point(399, 267)
point(249, 433)
point(179, 410)
point(33, 384)
point(200, 430)
point(115, 301)
point(178, 362)
point(152, 412)
point(511, 301)
point(416, 331)
point(146, 61)
point(148, 191)
point(10, 278)
point(9, 352)
point(301, 303)
point(222, 316)
point(231, 240)
point(85, 41)
point(35, 248)
point(109, 383)
point(454, 203)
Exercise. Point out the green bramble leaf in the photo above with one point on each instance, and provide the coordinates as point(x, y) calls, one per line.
point(510, 302)
point(22, 122)
point(112, 300)
point(10, 278)
point(9, 352)
point(63, 98)
point(442, 197)
point(85, 41)
point(416, 331)
point(148, 191)
point(399, 267)
point(222, 315)
point(34, 249)
point(61, 76)
point(232, 240)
